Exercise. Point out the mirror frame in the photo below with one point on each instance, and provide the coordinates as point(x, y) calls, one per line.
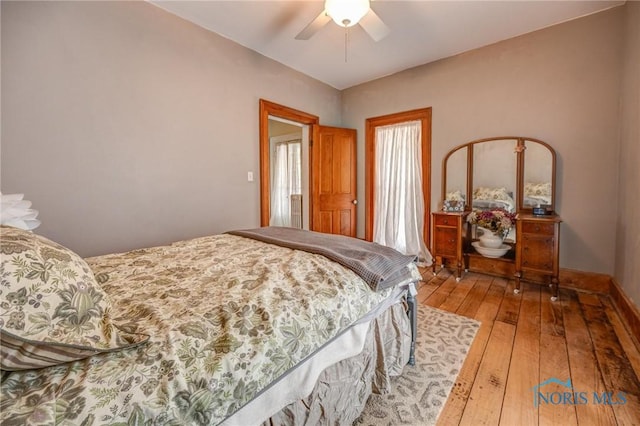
point(520, 151)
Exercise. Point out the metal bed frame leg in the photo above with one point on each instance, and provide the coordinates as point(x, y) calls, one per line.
point(413, 318)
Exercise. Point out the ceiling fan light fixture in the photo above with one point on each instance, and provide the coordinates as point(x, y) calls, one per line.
point(346, 13)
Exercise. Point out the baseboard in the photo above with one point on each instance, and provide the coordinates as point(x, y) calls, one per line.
point(585, 281)
point(605, 284)
point(627, 310)
point(567, 278)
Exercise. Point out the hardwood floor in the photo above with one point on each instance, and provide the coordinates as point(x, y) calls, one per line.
point(525, 340)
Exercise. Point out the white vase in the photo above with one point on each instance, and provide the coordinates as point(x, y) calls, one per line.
point(490, 239)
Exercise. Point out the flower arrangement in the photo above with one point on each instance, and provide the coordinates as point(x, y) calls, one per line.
point(497, 220)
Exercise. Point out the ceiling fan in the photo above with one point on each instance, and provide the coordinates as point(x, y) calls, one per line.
point(347, 13)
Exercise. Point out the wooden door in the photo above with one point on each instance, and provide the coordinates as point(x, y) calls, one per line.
point(333, 180)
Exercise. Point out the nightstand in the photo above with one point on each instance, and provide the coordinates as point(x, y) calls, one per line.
point(538, 248)
point(448, 239)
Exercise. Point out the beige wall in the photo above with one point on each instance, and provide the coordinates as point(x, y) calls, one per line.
point(560, 85)
point(627, 268)
point(127, 126)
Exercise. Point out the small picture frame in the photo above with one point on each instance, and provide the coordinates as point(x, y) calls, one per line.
point(453, 206)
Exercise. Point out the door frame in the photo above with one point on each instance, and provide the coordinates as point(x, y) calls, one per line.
point(267, 109)
point(422, 114)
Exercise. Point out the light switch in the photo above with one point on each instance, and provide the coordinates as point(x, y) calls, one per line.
point(250, 176)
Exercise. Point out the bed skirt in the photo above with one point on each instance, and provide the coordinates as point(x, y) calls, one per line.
point(342, 389)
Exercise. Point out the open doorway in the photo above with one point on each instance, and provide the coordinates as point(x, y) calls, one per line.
point(289, 186)
point(329, 165)
point(280, 124)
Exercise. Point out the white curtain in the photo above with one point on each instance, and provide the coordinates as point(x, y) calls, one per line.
point(287, 180)
point(398, 201)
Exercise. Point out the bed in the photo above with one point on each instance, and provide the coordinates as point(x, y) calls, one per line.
point(537, 194)
point(231, 329)
point(486, 198)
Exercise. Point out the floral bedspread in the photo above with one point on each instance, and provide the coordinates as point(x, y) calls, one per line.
point(227, 315)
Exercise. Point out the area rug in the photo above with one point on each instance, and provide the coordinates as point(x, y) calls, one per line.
point(419, 394)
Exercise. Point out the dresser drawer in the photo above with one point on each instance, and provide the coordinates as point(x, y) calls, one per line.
point(445, 220)
point(446, 241)
point(538, 252)
point(538, 228)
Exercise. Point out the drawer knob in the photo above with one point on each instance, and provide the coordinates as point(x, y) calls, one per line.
point(446, 221)
point(537, 228)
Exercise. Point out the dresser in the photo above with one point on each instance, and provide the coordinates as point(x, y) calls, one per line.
point(538, 248)
point(448, 239)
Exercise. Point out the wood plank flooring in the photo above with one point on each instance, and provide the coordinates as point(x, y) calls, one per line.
point(523, 341)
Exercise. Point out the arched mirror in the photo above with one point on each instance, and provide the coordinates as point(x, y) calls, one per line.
point(539, 166)
point(515, 173)
point(456, 175)
point(494, 174)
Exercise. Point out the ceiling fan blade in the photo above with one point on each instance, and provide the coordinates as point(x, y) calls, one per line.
point(374, 26)
point(314, 26)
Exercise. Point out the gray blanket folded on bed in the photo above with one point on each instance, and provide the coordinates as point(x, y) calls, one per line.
point(380, 266)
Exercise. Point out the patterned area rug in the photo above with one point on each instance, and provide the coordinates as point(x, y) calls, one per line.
point(420, 393)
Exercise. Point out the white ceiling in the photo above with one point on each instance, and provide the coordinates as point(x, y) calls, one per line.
point(421, 31)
